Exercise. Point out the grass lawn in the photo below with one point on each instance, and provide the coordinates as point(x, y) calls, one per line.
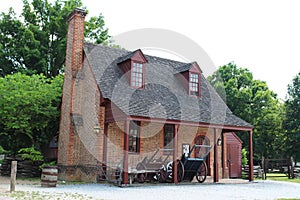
point(287, 199)
point(275, 177)
point(281, 177)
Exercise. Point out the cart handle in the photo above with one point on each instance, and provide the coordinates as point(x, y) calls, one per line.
point(159, 150)
point(198, 145)
point(202, 145)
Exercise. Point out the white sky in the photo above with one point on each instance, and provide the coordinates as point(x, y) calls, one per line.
point(261, 35)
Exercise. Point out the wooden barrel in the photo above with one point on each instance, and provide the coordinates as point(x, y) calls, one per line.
point(49, 176)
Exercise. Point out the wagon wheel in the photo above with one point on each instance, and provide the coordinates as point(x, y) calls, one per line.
point(141, 177)
point(201, 173)
point(161, 175)
point(118, 173)
point(180, 170)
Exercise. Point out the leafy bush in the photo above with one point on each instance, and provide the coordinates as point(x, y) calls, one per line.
point(2, 151)
point(35, 155)
point(31, 154)
point(244, 157)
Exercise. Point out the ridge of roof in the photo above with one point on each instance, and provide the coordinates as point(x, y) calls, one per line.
point(126, 57)
point(184, 68)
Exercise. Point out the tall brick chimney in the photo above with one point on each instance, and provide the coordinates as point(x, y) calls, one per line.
point(74, 57)
point(75, 40)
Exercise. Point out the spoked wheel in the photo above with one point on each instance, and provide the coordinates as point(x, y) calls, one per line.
point(141, 177)
point(201, 173)
point(118, 175)
point(180, 170)
point(161, 175)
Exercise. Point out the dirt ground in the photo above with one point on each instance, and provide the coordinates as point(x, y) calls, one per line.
point(225, 189)
point(22, 181)
point(5, 182)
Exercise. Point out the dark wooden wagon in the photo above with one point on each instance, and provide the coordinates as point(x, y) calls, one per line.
point(188, 167)
point(158, 168)
point(152, 168)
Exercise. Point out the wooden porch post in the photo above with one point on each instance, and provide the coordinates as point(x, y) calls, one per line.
point(250, 162)
point(104, 161)
point(216, 164)
point(126, 149)
point(175, 151)
point(223, 156)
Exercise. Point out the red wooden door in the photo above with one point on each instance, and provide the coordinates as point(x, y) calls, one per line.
point(233, 152)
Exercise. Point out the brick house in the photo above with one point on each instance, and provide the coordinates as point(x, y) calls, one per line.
point(120, 106)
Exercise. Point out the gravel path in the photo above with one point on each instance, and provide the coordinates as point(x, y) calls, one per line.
point(254, 190)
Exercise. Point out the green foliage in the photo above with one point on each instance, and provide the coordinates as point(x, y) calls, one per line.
point(52, 163)
point(252, 101)
point(31, 154)
point(94, 30)
point(34, 155)
point(292, 118)
point(29, 110)
point(2, 151)
point(35, 42)
point(244, 157)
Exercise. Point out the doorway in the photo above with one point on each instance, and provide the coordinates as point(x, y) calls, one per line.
point(234, 163)
point(202, 140)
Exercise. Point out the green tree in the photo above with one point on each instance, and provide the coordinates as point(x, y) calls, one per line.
point(267, 115)
point(29, 110)
point(35, 42)
point(233, 85)
point(292, 118)
point(252, 101)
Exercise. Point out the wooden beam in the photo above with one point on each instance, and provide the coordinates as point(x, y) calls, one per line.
point(216, 163)
point(228, 128)
point(223, 156)
point(126, 149)
point(250, 161)
point(104, 163)
point(175, 152)
point(13, 175)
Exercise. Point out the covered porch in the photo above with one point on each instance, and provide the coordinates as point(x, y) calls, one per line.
point(136, 149)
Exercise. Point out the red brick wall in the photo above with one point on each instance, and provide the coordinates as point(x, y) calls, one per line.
point(87, 145)
point(150, 141)
point(73, 62)
point(79, 145)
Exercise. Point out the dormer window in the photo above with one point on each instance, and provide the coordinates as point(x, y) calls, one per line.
point(190, 77)
point(194, 84)
point(133, 65)
point(137, 75)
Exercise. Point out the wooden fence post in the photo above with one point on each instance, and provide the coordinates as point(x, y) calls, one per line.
point(263, 166)
point(292, 167)
point(13, 175)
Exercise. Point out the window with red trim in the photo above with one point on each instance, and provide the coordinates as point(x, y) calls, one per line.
point(134, 136)
point(168, 136)
point(194, 84)
point(137, 75)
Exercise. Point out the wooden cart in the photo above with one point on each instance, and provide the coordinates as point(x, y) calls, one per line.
point(188, 168)
point(152, 168)
point(158, 168)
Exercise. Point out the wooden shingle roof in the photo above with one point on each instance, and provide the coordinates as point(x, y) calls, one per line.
point(164, 96)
